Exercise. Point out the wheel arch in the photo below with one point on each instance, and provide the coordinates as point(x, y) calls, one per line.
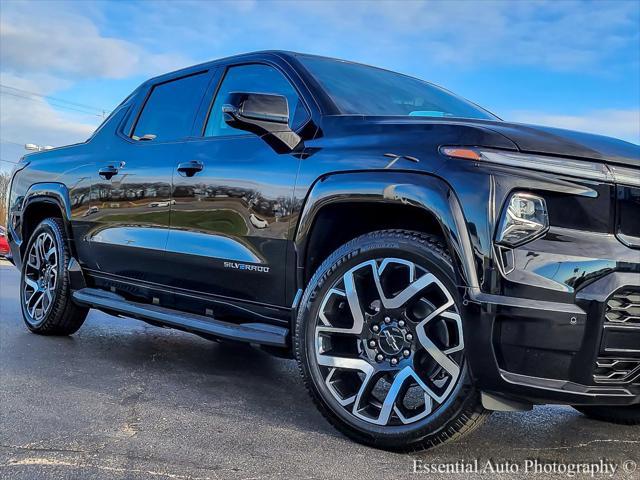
point(43, 200)
point(355, 203)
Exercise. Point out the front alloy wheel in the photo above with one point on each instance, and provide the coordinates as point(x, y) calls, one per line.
point(380, 338)
point(389, 340)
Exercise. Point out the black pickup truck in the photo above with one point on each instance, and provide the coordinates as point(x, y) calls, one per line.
point(424, 261)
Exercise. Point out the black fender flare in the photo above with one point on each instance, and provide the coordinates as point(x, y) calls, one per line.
point(48, 192)
point(427, 192)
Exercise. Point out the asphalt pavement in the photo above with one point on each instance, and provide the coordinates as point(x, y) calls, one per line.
point(124, 400)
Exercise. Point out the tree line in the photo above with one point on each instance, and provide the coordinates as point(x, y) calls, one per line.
point(4, 193)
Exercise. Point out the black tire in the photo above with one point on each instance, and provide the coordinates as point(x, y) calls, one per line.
point(460, 413)
point(61, 316)
point(620, 415)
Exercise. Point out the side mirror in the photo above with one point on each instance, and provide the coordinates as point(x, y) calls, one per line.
point(266, 115)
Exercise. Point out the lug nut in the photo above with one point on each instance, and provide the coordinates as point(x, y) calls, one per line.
point(401, 323)
point(406, 353)
point(372, 343)
point(387, 319)
point(379, 357)
point(409, 337)
point(375, 328)
point(394, 361)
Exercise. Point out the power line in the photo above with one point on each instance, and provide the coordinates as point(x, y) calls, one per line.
point(20, 144)
point(4, 140)
point(56, 102)
point(64, 107)
point(55, 99)
point(23, 145)
point(41, 100)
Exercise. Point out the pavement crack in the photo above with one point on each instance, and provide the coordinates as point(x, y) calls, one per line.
point(132, 401)
point(582, 445)
point(42, 449)
point(43, 461)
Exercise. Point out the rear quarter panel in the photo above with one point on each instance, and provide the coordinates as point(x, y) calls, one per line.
point(63, 175)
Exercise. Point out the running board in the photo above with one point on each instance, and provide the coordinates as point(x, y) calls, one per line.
point(259, 333)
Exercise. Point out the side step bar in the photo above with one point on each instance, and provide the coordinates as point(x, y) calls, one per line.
point(259, 333)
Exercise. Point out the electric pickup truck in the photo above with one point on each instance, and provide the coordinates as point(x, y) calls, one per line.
point(423, 261)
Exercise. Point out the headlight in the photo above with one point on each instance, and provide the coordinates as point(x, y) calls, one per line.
point(524, 218)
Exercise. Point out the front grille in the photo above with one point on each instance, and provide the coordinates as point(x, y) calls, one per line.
point(620, 347)
point(617, 371)
point(623, 308)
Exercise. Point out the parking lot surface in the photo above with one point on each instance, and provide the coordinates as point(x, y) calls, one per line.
point(124, 400)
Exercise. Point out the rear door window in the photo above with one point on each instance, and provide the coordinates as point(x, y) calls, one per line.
point(170, 109)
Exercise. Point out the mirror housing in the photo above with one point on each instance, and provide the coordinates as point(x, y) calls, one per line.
point(266, 115)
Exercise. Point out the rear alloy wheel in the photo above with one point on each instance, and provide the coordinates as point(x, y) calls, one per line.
point(40, 278)
point(44, 284)
point(381, 343)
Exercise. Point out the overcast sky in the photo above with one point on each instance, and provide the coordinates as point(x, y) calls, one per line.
point(569, 64)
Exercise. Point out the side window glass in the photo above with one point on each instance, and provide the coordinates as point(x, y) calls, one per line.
point(170, 109)
point(256, 79)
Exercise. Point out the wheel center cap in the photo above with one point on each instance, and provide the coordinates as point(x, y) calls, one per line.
point(391, 340)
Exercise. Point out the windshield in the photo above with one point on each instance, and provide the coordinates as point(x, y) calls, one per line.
point(363, 90)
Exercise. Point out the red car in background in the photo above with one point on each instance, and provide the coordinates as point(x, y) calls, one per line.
point(4, 245)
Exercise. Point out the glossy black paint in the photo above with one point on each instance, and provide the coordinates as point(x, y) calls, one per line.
point(226, 226)
point(628, 215)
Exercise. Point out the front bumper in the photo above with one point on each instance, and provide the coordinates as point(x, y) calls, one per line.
point(583, 349)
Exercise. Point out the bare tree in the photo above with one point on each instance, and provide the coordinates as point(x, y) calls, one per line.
point(4, 193)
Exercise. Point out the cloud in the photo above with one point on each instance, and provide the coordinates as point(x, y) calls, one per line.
point(32, 120)
point(42, 82)
point(622, 124)
point(51, 48)
point(148, 37)
point(37, 122)
point(72, 45)
point(564, 36)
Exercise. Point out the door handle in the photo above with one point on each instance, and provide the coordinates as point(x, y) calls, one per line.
point(108, 172)
point(189, 169)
